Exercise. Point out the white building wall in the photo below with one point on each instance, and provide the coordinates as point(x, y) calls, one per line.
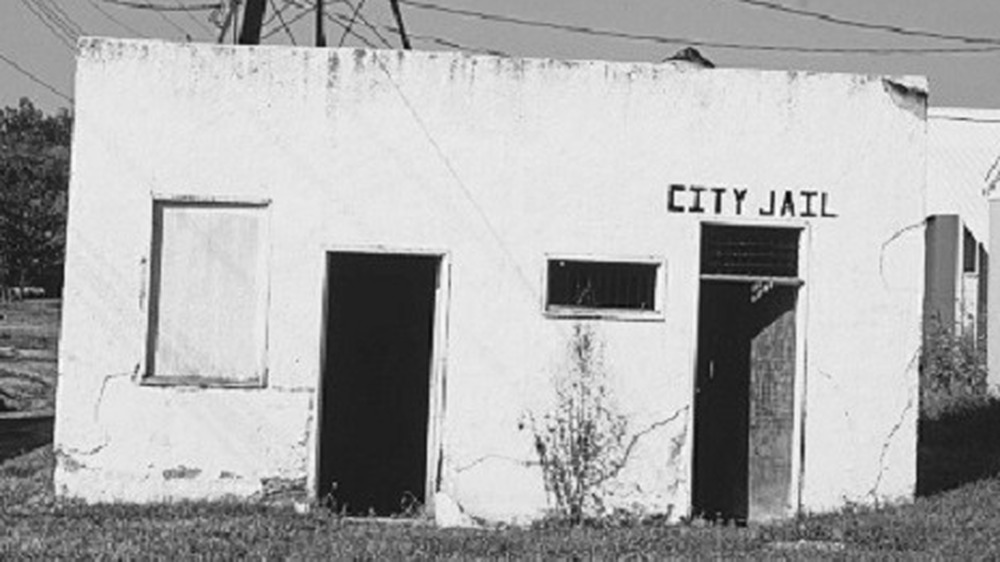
point(497, 162)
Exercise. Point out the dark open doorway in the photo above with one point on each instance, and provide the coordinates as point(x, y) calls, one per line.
point(745, 380)
point(376, 381)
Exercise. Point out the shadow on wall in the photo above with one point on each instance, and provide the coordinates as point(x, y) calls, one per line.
point(958, 447)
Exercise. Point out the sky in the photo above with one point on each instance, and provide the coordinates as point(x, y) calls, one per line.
point(39, 35)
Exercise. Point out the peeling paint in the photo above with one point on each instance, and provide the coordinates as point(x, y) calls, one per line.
point(181, 472)
point(67, 462)
point(910, 97)
point(281, 489)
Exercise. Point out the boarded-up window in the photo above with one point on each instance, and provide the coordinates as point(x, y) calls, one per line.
point(208, 293)
point(580, 286)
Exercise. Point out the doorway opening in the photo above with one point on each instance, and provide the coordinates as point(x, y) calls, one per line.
point(376, 381)
point(745, 380)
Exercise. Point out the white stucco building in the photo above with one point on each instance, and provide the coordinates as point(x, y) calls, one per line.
point(360, 271)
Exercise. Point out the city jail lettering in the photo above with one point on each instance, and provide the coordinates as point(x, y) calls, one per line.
point(736, 201)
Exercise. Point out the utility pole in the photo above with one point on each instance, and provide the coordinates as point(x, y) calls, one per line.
point(399, 23)
point(320, 36)
point(253, 20)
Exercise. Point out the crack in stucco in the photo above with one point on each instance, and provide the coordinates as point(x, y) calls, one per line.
point(873, 493)
point(66, 454)
point(104, 385)
point(890, 240)
point(485, 458)
point(639, 435)
point(675, 446)
point(910, 365)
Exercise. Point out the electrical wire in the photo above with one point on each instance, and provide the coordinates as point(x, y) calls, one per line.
point(369, 25)
point(614, 34)
point(346, 29)
point(964, 118)
point(350, 24)
point(197, 21)
point(275, 11)
point(47, 13)
point(282, 20)
point(63, 16)
point(67, 41)
point(34, 78)
point(115, 20)
point(170, 22)
point(432, 39)
point(305, 12)
point(871, 26)
point(163, 8)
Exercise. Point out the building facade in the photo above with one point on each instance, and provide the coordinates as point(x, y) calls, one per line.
point(364, 275)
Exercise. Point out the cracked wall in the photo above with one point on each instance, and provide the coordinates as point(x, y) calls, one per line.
point(498, 163)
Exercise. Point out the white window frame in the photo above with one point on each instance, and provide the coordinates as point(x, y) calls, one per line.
point(147, 376)
point(556, 311)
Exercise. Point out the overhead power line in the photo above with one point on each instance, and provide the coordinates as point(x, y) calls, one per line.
point(115, 20)
point(425, 38)
point(281, 18)
point(668, 40)
point(191, 17)
point(350, 24)
point(34, 78)
point(165, 8)
point(965, 118)
point(305, 12)
point(350, 31)
point(65, 37)
point(170, 22)
point(369, 25)
point(57, 12)
point(872, 26)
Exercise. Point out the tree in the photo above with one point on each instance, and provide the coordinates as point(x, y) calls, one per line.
point(34, 177)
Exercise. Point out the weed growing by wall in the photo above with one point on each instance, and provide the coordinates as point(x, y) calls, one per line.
point(952, 372)
point(581, 441)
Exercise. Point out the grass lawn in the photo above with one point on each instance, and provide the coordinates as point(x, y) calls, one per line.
point(957, 517)
point(960, 523)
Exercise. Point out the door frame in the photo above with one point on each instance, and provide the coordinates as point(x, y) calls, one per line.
point(800, 397)
point(436, 370)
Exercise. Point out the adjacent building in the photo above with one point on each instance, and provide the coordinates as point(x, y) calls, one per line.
point(963, 146)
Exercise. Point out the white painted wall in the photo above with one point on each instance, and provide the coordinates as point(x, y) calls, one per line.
point(497, 162)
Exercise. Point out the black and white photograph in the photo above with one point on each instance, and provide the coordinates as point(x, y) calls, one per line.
point(461, 279)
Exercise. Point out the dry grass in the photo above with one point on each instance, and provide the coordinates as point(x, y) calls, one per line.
point(29, 336)
point(960, 524)
point(960, 453)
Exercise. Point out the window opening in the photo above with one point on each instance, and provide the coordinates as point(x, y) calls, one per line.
point(601, 285)
point(969, 250)
point(750, 252)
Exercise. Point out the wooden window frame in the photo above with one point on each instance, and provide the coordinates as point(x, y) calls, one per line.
point(148, 378)
point(657, 314)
